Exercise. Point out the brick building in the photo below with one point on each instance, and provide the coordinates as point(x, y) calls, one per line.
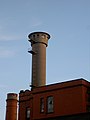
point(66, 101)
point(71, 99)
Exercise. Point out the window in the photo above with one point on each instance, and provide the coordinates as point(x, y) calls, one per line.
point(37, 34)
point(43, 36)
point(28, 113)
point(50, 104)
point(41, 105)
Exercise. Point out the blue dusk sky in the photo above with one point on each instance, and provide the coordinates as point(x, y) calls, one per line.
point(68, 51)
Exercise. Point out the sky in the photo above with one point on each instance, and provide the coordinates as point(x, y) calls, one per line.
point(68, 51)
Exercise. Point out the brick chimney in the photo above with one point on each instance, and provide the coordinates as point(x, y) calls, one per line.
point(11, 106)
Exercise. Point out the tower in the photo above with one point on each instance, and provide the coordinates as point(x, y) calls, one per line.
point(39, 42)
point(11, 108)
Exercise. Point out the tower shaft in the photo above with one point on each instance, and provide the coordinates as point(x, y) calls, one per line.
point(39, 65)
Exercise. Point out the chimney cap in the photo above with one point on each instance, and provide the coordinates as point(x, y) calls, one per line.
point(12, 96)
point(38, 33)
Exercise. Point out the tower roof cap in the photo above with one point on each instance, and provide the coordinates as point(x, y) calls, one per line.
point(39, 33)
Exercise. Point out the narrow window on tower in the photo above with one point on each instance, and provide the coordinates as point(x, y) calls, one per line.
point(41, 105)
point(50, 104)
point(27, 113)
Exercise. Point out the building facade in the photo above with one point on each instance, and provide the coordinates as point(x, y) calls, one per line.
point(61, 100)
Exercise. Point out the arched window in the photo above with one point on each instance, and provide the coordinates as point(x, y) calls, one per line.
point(27, 113)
